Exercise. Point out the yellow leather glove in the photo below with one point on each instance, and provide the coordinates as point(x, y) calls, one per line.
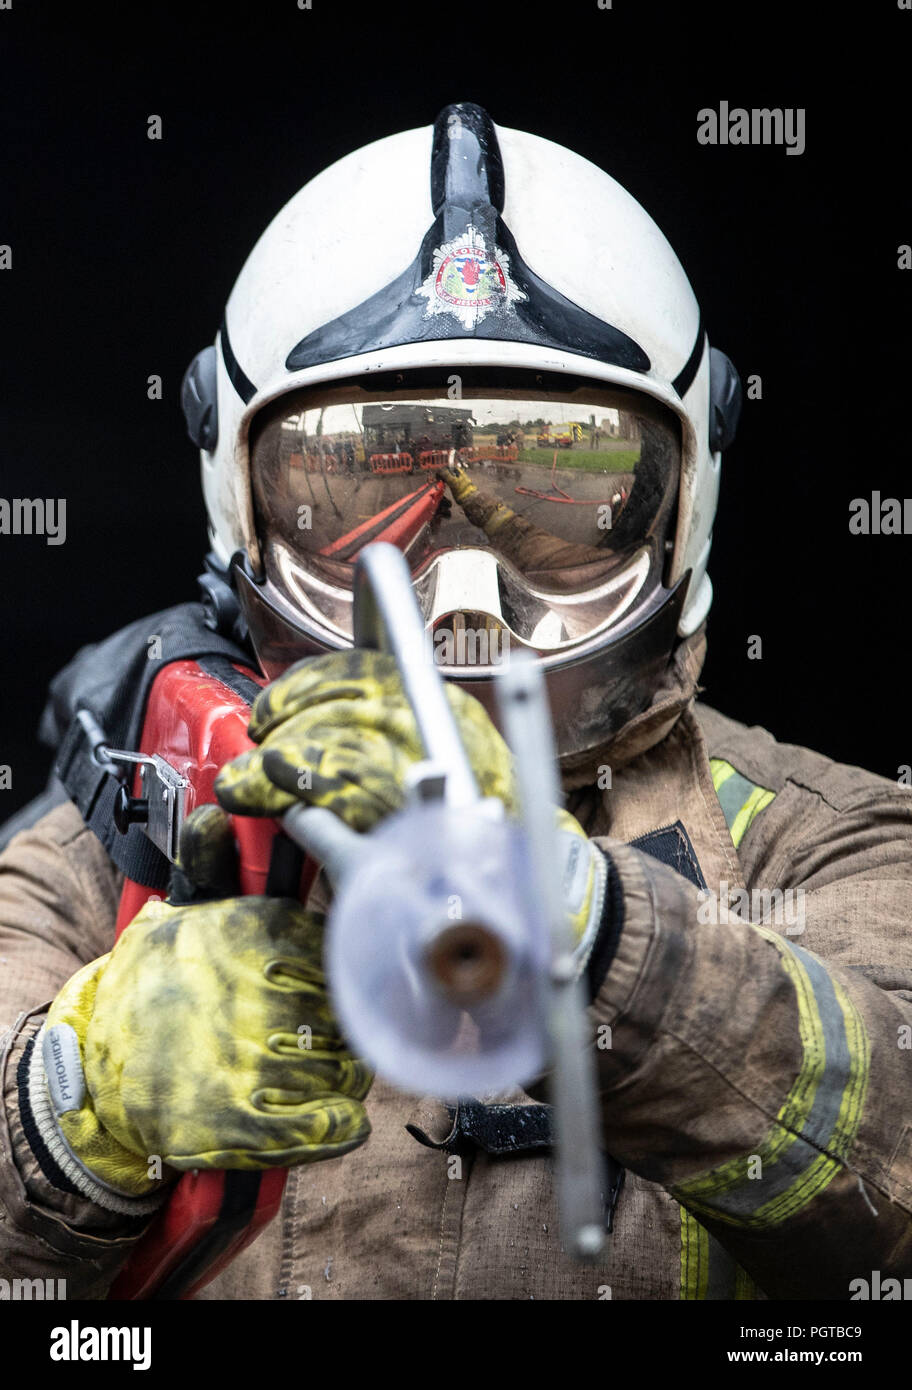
point(337, 731)
point(203, 1040)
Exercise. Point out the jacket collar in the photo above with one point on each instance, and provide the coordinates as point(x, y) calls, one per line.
point(676, 693)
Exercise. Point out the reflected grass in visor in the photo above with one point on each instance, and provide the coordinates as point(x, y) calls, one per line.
point(563, 494)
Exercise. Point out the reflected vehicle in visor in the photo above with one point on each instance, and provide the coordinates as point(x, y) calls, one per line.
point(536, 517)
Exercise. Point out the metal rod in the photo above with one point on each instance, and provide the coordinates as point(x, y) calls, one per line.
point(580, 1168)
point(387, 618)
point(322, 834)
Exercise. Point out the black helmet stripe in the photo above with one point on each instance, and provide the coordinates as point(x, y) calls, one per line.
point(467, 190)
point(465, 176)
point(688, 373)
point(236, 375)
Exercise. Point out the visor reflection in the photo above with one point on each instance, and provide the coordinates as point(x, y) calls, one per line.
point(543, 519)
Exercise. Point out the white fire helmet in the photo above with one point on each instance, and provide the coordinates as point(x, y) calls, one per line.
point(473, 343)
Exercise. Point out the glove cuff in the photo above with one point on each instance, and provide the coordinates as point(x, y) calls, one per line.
point(46, 1127)
point(606, 934)
point(584, 871)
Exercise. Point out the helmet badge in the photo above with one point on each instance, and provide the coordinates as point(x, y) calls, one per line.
point(469, 281)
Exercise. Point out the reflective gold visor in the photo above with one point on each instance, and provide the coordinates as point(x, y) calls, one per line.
point(542, 512)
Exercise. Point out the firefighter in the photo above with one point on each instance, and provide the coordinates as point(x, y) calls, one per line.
point(756, 1091)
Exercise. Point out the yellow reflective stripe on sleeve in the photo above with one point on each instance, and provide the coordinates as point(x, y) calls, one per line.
point(820, 1173)
point(707, 1269)
point(816, 1125)
point(741, 800)
point(694, 1257)
point(795, 1110)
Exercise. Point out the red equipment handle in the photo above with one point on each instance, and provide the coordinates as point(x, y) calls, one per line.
point(209, 1218)
point(198, 723)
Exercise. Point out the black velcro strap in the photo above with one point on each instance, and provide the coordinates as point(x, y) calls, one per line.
point(672, 847)
point(496, 1129)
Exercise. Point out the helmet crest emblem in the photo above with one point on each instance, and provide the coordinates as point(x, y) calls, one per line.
point(468, 281)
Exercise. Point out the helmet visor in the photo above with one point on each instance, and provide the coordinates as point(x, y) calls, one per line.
point(542, 514)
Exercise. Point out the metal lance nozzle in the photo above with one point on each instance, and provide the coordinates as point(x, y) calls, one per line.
point(449, 952)
point(467, 962)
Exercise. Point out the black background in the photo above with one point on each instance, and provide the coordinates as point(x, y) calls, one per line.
point(125, 249)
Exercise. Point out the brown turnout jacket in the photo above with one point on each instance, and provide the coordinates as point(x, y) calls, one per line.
point(758, 1087)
